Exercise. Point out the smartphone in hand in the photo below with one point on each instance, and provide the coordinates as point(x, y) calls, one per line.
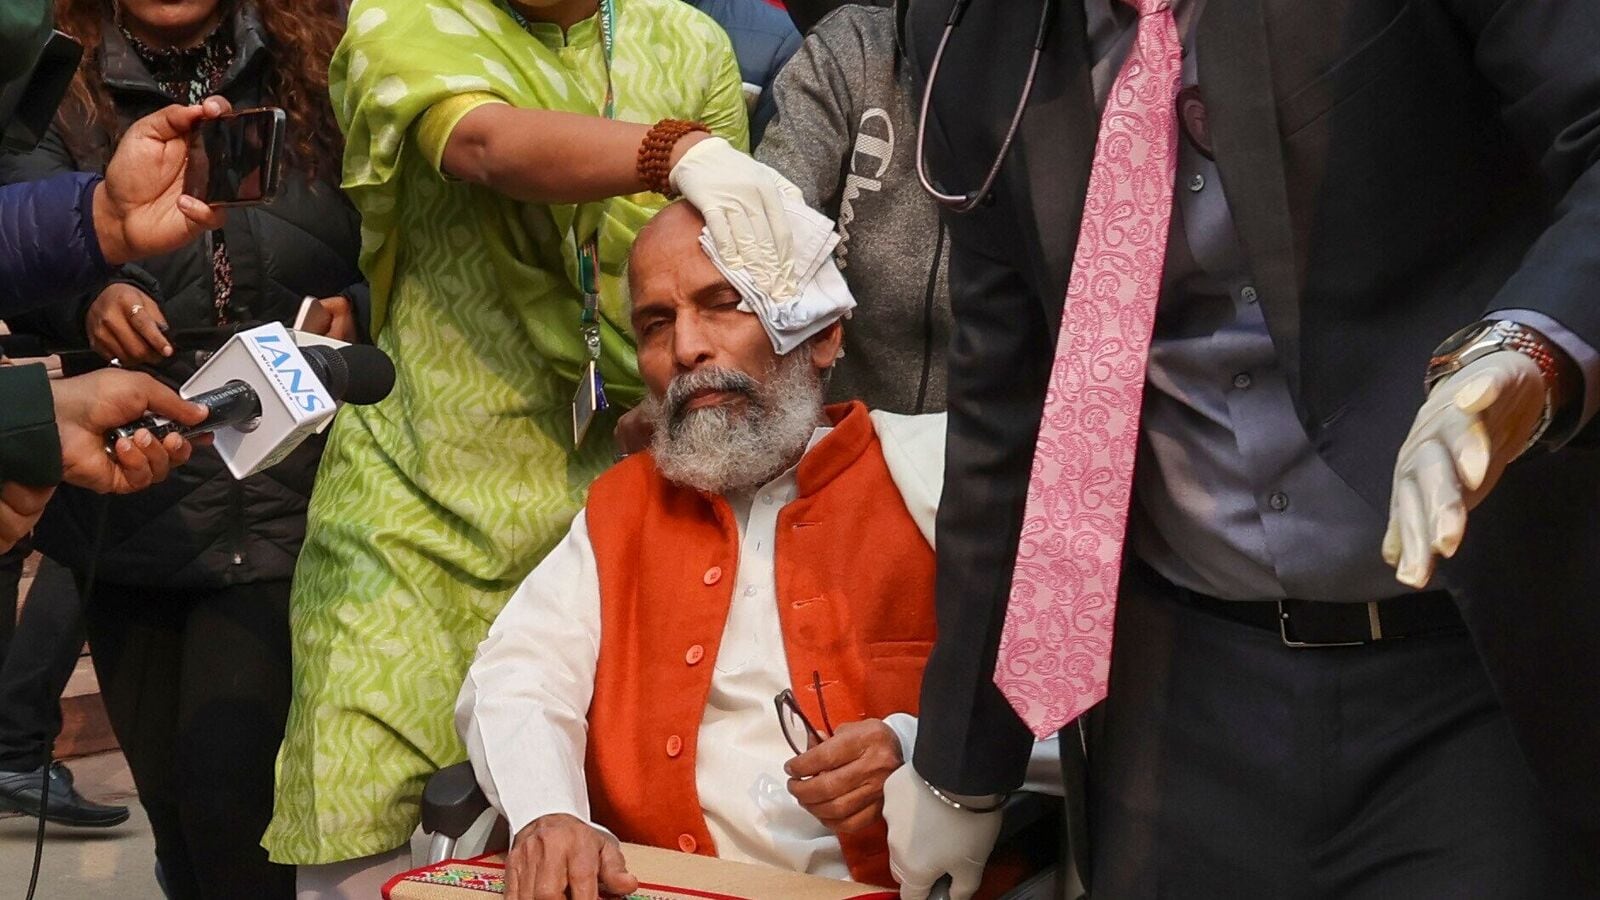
point(237, 159)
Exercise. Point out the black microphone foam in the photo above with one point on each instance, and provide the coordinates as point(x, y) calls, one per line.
point(359, 373)
point(371, 373)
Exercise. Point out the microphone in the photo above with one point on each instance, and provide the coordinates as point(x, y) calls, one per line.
point(267, 395)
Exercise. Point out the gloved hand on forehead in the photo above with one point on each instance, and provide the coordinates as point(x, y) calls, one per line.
point(742, 202)
point(820, 295)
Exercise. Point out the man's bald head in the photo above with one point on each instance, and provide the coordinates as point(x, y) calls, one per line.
point(672, 234)
point(675, 229)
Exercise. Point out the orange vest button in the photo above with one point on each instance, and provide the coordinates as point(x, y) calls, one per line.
point(674, 746)
point(687, 843)
point(713, 575)
point(695, 654)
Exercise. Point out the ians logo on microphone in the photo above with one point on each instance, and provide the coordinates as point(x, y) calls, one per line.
point(289, 371)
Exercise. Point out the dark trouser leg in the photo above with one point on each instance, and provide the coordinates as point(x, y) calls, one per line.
point(1441, 804)
point(1227, 765)
point(136, 637)
point(10, 577)
point(232, 712)
point(36, 670)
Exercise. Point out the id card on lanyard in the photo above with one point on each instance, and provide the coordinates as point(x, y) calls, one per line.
point(590, 398)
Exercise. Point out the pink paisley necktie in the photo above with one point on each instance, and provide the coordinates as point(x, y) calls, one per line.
point(1055, 651)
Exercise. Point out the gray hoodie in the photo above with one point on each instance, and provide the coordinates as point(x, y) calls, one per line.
point(845, 134)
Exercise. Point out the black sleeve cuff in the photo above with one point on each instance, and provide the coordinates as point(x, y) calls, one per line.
point(30, 447)
point(86, 222)
point(360, 297)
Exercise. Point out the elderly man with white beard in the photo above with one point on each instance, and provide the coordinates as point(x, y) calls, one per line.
point(724, 655)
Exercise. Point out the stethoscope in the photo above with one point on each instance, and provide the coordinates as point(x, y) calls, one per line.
point(962, 203)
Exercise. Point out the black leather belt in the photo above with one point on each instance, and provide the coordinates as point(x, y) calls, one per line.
point(1313, 623)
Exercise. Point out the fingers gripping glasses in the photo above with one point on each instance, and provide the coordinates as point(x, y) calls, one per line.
point(971, 200)
point(797, 729)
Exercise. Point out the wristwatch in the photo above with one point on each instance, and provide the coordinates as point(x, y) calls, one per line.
point(1480, 339)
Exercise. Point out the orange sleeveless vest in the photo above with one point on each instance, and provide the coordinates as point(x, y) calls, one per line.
point(855, 600)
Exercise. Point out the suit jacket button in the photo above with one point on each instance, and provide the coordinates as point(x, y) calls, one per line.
point(674, 746)
point(695, 654)
point(687, 843)
point(713, 575)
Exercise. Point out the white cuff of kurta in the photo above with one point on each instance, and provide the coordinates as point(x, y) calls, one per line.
point(821, 298)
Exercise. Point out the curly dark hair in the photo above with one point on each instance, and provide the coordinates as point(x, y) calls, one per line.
point(301, 35)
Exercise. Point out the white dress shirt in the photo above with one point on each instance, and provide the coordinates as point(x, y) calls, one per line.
point(524, 706)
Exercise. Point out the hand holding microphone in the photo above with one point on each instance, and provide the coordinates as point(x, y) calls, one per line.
point(87, 406)
point(262, 395)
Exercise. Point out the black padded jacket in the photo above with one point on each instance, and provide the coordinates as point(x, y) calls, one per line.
point(201, 528)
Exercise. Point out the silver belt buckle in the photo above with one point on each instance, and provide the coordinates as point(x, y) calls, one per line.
point(1373, 623)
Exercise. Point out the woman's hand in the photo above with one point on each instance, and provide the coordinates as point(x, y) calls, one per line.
point(332, 317)
point(126, 324)
point(742, 202)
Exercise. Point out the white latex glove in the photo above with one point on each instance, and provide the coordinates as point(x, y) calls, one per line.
point(928, 839)
point(742, 203)
point(1473, 423)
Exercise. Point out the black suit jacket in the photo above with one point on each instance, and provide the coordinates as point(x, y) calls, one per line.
point(1396, 169)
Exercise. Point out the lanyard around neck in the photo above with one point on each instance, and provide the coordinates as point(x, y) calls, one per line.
point(591, 395)
point(607, 14)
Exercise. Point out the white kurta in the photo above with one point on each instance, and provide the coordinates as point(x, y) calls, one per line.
point(523, 709)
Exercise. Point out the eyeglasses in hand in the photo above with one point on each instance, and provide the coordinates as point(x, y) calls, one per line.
point(797, 729)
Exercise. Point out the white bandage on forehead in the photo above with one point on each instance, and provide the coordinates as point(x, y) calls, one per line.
point(821, 297)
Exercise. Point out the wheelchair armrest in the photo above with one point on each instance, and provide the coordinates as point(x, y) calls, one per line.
point(452, 801)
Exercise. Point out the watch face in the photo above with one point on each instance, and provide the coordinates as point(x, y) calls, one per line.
point(1461, 339)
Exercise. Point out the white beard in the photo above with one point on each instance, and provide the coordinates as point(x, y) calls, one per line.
point(718, 449)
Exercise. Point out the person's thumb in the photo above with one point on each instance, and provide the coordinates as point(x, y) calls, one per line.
point(216, 106)
point(162, 400)
point(202, 216)
point(177, 120)
point(1479, 393)
point(168, 123)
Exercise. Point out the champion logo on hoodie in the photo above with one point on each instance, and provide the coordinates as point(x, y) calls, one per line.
point(868, 161)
